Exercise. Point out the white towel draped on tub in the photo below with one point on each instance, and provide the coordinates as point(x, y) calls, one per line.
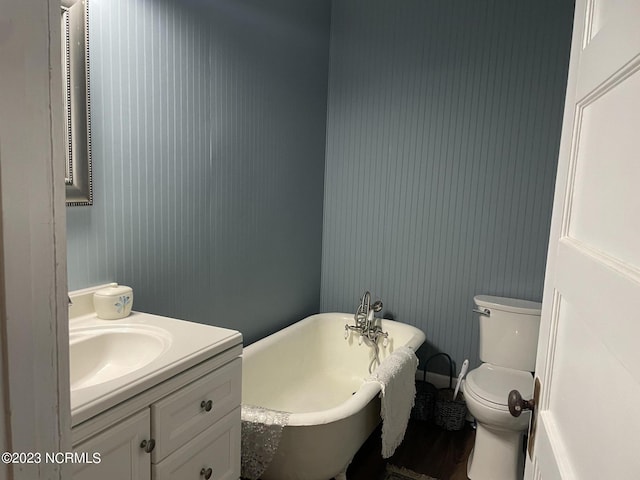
point(396, 376)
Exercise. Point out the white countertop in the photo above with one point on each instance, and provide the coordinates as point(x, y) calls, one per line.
point(190, 344)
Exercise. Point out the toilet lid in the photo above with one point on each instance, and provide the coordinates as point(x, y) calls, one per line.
point(493, 383)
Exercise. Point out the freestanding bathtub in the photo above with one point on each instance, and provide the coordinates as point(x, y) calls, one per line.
point(310, 370)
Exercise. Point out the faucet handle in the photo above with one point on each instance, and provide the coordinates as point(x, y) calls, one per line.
point(370, 317)
point(377, 306)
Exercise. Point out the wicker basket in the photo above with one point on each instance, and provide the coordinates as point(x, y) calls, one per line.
point(425, 400)
point(449, 413)
point(426, 394)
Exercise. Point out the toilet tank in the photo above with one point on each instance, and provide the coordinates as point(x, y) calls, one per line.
point(508, 331)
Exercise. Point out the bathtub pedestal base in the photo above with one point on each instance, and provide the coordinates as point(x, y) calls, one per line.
point(341, 476)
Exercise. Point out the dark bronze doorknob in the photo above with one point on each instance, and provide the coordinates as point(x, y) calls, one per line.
point(517, 404)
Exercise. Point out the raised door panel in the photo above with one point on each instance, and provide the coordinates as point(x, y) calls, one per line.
point(217, 448)
point(120, 454)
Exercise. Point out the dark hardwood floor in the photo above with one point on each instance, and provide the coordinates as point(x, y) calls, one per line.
point(426, 449)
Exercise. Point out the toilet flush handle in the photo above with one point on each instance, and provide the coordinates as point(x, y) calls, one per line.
point(482, 311)
point(517, 404)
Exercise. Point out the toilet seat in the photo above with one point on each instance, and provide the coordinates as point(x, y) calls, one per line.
point(492, 384)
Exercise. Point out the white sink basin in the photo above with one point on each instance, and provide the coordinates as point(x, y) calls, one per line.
point(111, 361)
point(100, 354)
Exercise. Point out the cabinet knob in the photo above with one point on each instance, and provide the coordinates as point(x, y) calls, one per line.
point(207, 406)
point(148, 445)
point(206, 473)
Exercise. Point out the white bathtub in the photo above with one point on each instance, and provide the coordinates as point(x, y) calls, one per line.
point(311, 371)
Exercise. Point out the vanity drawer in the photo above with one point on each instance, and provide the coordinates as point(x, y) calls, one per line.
point(217, 448)
point(181, 416)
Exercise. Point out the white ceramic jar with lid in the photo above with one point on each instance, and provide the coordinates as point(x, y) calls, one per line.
point(113, 302)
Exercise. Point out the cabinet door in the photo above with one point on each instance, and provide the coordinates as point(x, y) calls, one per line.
point(214, 454)
point(121, 456)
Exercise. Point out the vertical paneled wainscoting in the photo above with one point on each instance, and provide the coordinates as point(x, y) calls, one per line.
point(442, 140)
point(209, 133)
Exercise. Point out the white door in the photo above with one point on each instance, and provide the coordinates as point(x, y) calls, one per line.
point(588, 418)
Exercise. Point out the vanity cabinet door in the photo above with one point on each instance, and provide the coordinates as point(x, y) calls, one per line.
point(213, 455)
point(121, 456)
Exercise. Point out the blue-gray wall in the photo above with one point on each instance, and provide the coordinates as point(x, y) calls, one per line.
point(208, 145)
point(209, 119)
point(443, 130)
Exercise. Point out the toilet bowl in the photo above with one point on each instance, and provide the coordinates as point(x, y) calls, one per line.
point(498, 445)
point(508, 342)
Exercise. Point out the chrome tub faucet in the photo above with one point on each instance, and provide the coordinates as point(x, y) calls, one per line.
point(364, 325)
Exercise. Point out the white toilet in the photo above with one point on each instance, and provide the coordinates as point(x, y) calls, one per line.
point(508, 343)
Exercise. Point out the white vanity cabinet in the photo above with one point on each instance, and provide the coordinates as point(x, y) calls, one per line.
point(184, 428)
